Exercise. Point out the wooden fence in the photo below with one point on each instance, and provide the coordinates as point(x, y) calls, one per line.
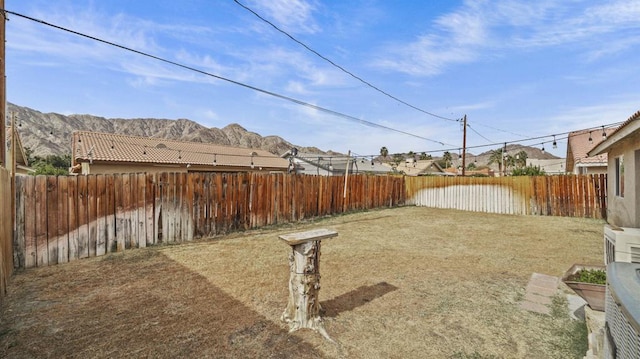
point(63, 218)
point(573, 196)
point(6, 230)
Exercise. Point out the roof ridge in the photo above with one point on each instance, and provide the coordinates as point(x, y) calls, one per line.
point(80, 132)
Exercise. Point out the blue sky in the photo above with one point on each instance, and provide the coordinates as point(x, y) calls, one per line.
point(517, 68)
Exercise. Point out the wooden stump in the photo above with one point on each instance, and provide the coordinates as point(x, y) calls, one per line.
point(303, 308)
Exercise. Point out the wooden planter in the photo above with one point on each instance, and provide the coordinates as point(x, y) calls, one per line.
point(592, 293)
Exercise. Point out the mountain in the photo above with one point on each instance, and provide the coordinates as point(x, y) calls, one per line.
point(50, 133)
point(512, 149)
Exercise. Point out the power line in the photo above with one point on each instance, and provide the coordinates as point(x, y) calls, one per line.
point(478, 133)
point(338, 66)
point(501, 130)
point(558, 136)
point(254, 88)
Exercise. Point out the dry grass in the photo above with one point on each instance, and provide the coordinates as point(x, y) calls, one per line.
point(399, 283)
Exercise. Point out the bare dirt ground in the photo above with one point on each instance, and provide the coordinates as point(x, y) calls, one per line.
point(398, 283)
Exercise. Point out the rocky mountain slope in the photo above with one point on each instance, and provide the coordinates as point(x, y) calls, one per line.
point(50, 133)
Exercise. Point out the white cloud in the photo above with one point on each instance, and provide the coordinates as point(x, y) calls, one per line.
point(296, 87)
point(479, 29)
point(294, 15)
point(617, 110)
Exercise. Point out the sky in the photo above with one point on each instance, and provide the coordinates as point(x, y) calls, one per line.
point(521, 71)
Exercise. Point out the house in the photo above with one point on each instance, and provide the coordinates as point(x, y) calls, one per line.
point(102, 153)
point(413, 167)
point(579, 143)
point(622, 239)
point(622, 148)
point(21, 160)
point(554, 166)
point(332, 165)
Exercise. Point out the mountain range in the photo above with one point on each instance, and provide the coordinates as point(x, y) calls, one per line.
point(50, 134)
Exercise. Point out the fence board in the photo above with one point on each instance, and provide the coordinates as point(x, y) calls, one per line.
point(41, 215)
point(101, 215)
point(52, 218)
point(29, 218)
point(149, 209)
point(92, 219)
point(72, 186)
point(141, 209)
point(119, 213)
point(19, 251)
point(63, 220)
point(132, 210)
point(81, 248)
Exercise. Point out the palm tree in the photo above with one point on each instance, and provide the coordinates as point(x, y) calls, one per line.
point(496, 157)
point(384, 152)
point(446, 157)
point(521, 159)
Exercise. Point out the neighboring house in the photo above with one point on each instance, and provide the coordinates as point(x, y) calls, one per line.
point(413, 167)
point(326, 165)
point(21, 161)
point(555, 166)
point(101, 153)
point(579, 143)
point(623, 190)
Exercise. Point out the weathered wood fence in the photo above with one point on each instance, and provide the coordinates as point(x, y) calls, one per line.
point(572, 196)
point(63, 218)
point(6, 230)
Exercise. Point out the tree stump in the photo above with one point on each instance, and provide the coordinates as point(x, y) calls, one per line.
point(303, 308)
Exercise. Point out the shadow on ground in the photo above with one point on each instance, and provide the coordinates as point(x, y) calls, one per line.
point(145, 306)
point(355, 298)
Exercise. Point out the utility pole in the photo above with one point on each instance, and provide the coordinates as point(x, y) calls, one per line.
point(464, 144)
point(3, 90)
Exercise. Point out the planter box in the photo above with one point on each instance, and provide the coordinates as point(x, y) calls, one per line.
point(592, 293)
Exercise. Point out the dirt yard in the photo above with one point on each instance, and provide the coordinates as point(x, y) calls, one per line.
point(398, 283)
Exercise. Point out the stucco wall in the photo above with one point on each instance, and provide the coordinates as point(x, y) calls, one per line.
point(625, 211)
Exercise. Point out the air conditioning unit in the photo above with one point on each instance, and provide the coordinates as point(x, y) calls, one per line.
point(622, 311)
point(621, 244)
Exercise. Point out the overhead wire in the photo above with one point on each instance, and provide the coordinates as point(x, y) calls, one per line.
point(341, 68)
point(478, 133)
point(558, 136)
point(299, 102)
point(251, 87)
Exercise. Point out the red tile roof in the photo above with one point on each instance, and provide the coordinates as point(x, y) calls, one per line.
point(579, 145)
point(109, 147)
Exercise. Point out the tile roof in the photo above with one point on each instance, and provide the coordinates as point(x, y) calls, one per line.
point(579, 145)
point(109, 147)
point(419, 167)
